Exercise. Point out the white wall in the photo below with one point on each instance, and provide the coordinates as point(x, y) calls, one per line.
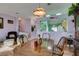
point(28, 25)
point(8, 27)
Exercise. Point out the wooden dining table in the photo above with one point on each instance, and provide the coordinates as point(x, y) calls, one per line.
point(27, 49)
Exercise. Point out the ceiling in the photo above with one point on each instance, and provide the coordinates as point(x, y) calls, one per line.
point(25, 9)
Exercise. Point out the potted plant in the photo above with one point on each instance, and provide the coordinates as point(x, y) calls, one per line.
point(74, 9)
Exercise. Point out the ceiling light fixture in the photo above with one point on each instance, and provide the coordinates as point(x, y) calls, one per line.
point(39, 11)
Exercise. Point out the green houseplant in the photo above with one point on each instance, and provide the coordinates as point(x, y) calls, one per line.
point(74, 9)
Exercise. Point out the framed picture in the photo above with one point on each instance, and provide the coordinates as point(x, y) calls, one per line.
point(10, 21)
point(1, 22)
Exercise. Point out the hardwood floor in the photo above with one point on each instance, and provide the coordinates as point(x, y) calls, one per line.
point(27, 49)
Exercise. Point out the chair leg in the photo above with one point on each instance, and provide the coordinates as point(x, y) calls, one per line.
point(15, 41)
point(75, 54)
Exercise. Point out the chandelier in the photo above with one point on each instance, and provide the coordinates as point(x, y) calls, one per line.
point(39, 11)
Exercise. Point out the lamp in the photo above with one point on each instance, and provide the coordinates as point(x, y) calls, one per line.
point(39, 11)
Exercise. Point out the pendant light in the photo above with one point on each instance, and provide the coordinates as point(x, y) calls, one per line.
point(39, 11)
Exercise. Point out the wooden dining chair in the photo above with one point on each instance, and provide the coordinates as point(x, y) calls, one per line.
point(59, 48)
point(12, 35)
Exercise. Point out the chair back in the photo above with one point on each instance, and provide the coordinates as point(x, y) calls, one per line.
point(46, 36)
point(11, 34)
point(61, 44)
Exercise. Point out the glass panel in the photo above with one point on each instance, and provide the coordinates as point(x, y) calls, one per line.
point(43, 25)
point(53, 25)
